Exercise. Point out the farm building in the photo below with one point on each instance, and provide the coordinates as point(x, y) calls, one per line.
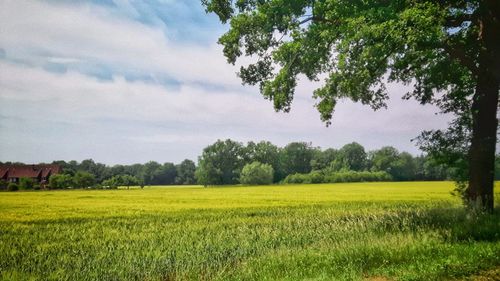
point(39, 173)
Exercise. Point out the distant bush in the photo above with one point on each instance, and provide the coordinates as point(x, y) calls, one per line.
point(257, 173)
point(293, 178)
point(26, 183)
point(12, 186)
point(296, 178)
point(3, 184)
point(83, 179)
point(111, 183)
point(60, 181)
point(315, 177)
point(334, 177)
point(121, 180)
point(354, 176)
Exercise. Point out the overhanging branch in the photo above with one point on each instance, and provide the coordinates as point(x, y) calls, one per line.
point(458, 20)
point(458, 53)
point(318, 19)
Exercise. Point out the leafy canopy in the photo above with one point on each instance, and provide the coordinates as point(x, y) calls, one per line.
point(357, 47)
point(257, 173)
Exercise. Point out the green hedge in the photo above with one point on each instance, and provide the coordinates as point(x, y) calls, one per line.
point(341, 176)
point(354, 176)
point(13, 187)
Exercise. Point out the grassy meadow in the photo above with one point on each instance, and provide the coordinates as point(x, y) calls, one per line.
point(352, 231)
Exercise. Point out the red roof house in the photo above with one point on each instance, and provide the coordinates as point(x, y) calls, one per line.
point(39, 173)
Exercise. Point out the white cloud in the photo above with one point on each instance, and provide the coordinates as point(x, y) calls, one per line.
point(85, 32)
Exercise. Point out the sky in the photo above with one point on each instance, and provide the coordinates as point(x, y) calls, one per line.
point(126, 82)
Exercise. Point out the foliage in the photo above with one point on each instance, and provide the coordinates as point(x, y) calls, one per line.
point(3, 184)
point(355, 231)
point(447, 50)
point(26, 183)
point(353, 45)
point(296, 178)
point(401, 166)
point(185, 172)
point(497, 167)
point(111, 183)
point(322, 159)
point(296, 158)
point(121, 180)
point(330, 176)
point(128, 180)
point(97, 169)
point(220, 163)
point(383, 158)
point(285, 161)
point(356, 176)
point(257, 173)
point(60, 181)
point(83, 179)
point(264, 152)
point(351, 156)
point(12, 186)
point(149, 171)
point(165, 174)
point(312, 177)
point(450, 148)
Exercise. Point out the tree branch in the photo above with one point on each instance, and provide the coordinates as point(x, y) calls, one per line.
point(458, 53)
point(458, 20)
point(319, 19)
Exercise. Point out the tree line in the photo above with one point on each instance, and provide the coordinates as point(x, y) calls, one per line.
point(89, 173)
point(230, 162)
point(300, 162)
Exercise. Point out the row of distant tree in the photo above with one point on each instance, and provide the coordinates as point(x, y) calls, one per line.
point(88, 173)
point(150, 173)
point(223, 161)
point(232, 162)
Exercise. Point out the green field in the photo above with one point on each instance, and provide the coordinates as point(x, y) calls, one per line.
point(357, 231)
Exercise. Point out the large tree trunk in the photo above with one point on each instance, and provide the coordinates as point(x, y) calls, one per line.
point(482, 149)
point(484, 110)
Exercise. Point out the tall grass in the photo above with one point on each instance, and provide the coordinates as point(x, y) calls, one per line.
point(403, 231)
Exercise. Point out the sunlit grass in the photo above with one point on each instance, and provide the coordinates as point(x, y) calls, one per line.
point(407, 231)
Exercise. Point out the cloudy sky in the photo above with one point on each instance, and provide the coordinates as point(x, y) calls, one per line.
point(125, 81)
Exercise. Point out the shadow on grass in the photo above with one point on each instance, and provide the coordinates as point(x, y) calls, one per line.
point(453, 224)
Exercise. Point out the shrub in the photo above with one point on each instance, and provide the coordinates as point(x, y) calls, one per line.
point(26, 183)
point(354, 176)
point(326, 176)
point(111, 183)
point(315, 177)
point(312, 177)
point(295, 178)
point(128, 180)
point(12, 186)
point(257, 173)
point(121, 180)
point(60, 181)
point(83, 179)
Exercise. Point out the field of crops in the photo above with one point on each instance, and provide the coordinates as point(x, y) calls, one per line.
point(357, 231)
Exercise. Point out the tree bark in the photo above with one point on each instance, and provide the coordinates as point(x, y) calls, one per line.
point(484, 110)
point(483, 143)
